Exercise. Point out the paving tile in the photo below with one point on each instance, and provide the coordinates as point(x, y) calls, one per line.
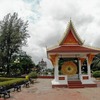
point(42, 90)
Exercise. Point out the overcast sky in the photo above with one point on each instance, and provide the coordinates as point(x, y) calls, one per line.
point(48, 19)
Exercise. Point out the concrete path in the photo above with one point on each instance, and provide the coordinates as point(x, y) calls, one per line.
point(42, 90)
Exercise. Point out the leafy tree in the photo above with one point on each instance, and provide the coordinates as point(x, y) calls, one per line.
point(13, 35)
point(38, 68)
point(22, 62)
point(26, 63)
point(96, 63)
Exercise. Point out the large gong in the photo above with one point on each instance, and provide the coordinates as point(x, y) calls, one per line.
point(69, 68)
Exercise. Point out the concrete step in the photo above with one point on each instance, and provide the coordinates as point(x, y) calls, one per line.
point(75, 84)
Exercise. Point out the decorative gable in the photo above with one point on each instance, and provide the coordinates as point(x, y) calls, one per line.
point(71, 37)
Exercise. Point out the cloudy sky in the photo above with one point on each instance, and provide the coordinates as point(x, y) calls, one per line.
point(48, 19)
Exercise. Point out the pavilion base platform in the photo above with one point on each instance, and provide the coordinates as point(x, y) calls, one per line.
point(89, 83)
point(59, 84)
point(73, 84)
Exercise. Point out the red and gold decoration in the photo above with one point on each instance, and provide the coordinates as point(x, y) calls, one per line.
point(90, 58)
point(53, 59)
point(70, 39)
point(69, 68)
point(82, 60)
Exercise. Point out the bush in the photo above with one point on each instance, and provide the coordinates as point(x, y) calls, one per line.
point(2, 79)
point(96, 74)
point(32, 75)
point(11, 81)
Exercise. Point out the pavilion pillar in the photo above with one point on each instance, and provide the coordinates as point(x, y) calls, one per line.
point(80, 69)
point(56, 69)
point(54, 60)
point(88, 68)
point(56, 73)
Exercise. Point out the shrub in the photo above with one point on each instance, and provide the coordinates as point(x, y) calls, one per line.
point(11, 81)
point(96, 74)
point(2, 79)
point(32, 75)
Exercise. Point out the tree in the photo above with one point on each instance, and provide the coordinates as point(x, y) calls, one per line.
point(26, 63)
point(21, 63)
point(96, 63)
point(13, 35)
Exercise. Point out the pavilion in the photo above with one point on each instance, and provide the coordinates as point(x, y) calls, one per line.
point(69, 60)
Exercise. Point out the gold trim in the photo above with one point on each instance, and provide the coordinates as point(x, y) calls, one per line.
point(69, 68)
point(53, 59)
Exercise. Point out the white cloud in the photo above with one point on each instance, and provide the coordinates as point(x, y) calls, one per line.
point(48, 20)
point(10, 6)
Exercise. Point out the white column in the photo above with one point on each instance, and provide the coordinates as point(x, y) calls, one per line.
point(80, 69)
point(88, 69)
point(56, 70)
point(56, 73)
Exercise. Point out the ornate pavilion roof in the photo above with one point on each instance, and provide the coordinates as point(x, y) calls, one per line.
point(73, 49)
point(71, 43)
point(70, 36)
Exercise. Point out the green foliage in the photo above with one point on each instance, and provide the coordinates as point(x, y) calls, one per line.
point(25, 63)
point(96, 74)
point(2, 79)
point(96, 63)
point(60, 72)
point(52, 71)
point(11, 81)
point(13, 35)
point(32, 75)
point(45, 73)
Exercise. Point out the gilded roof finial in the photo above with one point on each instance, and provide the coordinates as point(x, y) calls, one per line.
point(70, 22)
point(70, 18)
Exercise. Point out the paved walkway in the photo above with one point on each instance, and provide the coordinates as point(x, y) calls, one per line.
point(42, 90)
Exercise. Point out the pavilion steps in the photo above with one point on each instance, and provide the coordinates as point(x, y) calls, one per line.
point(75, 84)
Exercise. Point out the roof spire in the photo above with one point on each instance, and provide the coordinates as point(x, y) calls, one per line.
point(70, 18)
point(70, 36)
point(70, 21)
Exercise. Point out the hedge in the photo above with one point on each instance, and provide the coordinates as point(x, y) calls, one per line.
point(12, 81)
point(96, 74)
point(5, 79)
point(32, 75)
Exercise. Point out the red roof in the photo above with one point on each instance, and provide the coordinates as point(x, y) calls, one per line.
point(71, 43)
point(70, 36)
point(73, 49)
